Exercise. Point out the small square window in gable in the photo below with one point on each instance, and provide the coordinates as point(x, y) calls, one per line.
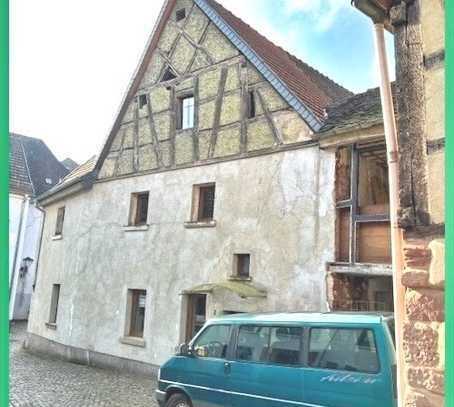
point(180, 14)
point(168, 75)
point(142, 101)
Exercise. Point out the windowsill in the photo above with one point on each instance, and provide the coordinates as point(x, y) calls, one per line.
point(200, 224)
point(57, 237)
point(239, 278)
point(136, 228)
point(133, 341)
point(51, 325)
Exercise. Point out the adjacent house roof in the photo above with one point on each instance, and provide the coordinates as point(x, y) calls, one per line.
point(355, 112)
point(33, 167)
point(69, 164)
point(82, 173)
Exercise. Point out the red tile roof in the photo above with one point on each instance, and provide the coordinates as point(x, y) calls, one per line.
point(315, 90)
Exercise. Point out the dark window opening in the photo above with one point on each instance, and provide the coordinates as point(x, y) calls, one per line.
point(142, 101)
point(180, 14)
point(60, 220)
point(139, 209)
point(206, 203)
point(251, 104)
point(137, 313)
point(168, 75)
point(243, 263)
point(54, 304)
point(185, 112)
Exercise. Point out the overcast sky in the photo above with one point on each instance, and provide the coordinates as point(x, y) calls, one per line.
point(71, 61)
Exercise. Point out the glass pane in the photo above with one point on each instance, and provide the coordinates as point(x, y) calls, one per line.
point(343, 173)
point(343, 235)
point(285, 345)
point(188, 113)
point(206, 202)
point(253, 343)
point(373, 243)
point(373, 189)
point(137, 313)
point(213, 342)
point(343, 349)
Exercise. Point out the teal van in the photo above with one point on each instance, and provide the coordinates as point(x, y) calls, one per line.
point(283, 360)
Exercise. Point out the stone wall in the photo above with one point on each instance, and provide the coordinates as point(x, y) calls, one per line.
point(419, 31)
point(211, 69)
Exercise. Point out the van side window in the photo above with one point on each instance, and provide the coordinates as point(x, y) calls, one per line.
point(281, 345)
point(353, 350)
point(213, 342)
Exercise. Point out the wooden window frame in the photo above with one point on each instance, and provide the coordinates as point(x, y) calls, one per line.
point(60, 221)
point(356, 219)
point(180, 111)
point(55, 298)
point(238, 258)
point(197, 202)
point(134, 211)
point(131, 310)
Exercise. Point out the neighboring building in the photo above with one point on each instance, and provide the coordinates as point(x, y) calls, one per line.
point(33, 170)
point(230, 170)
point(418, 28)
point(69, 164)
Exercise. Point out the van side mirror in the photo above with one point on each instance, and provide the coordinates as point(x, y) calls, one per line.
point(183, 350)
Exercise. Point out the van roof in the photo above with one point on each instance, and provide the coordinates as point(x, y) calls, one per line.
point(308, 317)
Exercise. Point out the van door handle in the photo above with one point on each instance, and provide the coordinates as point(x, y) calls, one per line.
point(227, 368)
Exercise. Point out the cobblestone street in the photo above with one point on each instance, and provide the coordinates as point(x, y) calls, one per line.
point(44, 382)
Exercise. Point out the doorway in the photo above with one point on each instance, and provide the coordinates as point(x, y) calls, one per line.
point(196, 314)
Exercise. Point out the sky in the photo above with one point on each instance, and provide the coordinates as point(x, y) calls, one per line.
point(71, 61)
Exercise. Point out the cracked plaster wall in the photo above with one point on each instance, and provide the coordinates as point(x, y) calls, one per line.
point(278, 207)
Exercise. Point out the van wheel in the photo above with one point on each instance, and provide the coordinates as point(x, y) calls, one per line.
point(178, 400)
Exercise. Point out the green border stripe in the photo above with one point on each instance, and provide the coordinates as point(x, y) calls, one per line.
point(4, 124)
point(449, 70)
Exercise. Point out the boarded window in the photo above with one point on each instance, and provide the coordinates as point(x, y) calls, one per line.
point(362, 200)
point(343, 235)
point(186, 113)
point(60, 221)
point(54, 304)
point(137, 301)
point(203, 202)
point(242, 265)
point(373, 189)
point(139, 209)
point(343, 173)
point(373, 242)
point(251, 104)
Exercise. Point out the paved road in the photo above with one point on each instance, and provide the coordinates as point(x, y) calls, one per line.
point(37, 381)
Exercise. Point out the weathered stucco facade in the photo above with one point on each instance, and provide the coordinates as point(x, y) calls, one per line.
point(277, 207)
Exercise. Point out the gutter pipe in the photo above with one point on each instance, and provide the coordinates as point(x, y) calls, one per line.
point(378, 14)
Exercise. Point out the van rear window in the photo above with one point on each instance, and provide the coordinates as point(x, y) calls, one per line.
point(353, 350)
point(279, 345)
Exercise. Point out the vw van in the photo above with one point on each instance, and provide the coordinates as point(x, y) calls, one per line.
point(283, 360)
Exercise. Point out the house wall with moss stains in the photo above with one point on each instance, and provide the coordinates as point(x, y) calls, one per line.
point(208, 66)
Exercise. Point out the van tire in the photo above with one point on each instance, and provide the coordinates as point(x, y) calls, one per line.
point(178, 400)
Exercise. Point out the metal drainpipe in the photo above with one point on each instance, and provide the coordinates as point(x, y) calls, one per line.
point(389, 122)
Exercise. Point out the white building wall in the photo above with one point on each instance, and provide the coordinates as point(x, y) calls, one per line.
point(278, 207)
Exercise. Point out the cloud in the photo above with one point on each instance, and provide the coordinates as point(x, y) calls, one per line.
point(321, 12)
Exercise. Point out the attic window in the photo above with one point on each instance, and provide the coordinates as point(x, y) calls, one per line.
point(251, 105)
point(180, 14)
point(142, 101)
point(168, 75)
